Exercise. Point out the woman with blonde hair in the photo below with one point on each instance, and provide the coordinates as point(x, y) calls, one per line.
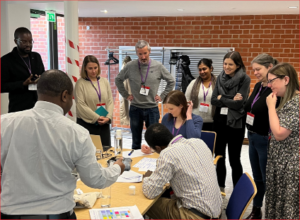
point(92, 92)
point(282, 176)
point(258, 128)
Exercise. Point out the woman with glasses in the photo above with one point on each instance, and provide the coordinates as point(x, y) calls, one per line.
point(93, 92)
point(282, 176)
point(199, 92)
point(230, 117)
point(257, 123)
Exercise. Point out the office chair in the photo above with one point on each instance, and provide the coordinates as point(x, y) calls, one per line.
point(242, 195)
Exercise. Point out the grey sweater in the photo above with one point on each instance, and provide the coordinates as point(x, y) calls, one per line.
point(156, 72)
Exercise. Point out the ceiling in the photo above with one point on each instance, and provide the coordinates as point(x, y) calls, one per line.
point(169, 8)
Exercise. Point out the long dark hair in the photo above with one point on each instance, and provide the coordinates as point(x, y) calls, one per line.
point(177, 98)
point(196, 86)
point(237, 59)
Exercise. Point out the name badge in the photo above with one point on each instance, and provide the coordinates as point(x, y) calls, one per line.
point(101, 104)
point(250, 119)
point(144, 90)
point(203, 107)
point(224, 111)
point(32, 87)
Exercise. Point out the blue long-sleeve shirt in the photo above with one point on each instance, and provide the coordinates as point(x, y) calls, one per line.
point(190, 129)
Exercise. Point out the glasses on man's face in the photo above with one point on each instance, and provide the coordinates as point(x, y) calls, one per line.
point(271, 80)
point(25, 42)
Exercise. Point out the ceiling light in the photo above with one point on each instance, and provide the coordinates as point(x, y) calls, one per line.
point(103, 11)
point(293, 7)
point(180, 9)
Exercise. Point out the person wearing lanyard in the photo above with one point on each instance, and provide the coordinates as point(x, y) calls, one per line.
point(20, 71)
point(230, 116)
point(180, 119)
point(92, 92)
point(144, 76)
point(188, 165)
point(199, 92)
point(257, 123)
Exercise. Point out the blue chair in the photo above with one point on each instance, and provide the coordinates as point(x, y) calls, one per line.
point(209, 138)
point(242, 195)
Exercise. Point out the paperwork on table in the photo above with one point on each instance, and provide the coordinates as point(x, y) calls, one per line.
point(130, 177)
point(135, 153)
point(126, 212)
point(146, 164)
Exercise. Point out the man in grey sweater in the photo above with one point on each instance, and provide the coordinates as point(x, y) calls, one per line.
point(144, 77)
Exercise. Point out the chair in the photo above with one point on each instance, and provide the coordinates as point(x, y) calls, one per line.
point(209, 137)
point(97, 141)
point(242, 195)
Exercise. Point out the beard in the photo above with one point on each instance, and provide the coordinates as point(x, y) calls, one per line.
point(25, 51)
point(144, 62)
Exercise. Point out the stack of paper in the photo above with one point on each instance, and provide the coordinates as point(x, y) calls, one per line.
point(146, 164)
point(135, 153)
point(130, 177)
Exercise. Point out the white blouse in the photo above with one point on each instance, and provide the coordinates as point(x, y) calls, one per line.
point(206, 116)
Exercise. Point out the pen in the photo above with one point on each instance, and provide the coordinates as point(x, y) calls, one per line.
point(130, 153)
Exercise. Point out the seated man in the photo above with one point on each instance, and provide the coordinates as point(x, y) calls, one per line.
point(188, 165)
point(39, 149)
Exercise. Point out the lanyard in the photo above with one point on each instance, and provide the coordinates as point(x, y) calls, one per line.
point(178, 128)
point(177, 139)
point(206, 91)
point(142, 79)
point(28, 67)
point(257, 96)
point(98, 93)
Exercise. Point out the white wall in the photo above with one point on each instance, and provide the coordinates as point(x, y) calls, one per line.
point(13, 15)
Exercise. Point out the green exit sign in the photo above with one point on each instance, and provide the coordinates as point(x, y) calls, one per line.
point(50, 16)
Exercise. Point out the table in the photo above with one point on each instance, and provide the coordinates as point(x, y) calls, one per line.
point(120, 195)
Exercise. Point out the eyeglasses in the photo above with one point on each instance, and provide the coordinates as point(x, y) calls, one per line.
point(25, 41)
point(271, 80)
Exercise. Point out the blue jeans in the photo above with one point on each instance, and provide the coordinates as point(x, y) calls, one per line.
point(137, 118)
point(258, 146)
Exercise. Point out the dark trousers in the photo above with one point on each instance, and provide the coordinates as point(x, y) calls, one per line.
point(58, 216)
point(102, 130)
point(234, 138)
point(208, 126)
point(137, 118)
point(258, 146)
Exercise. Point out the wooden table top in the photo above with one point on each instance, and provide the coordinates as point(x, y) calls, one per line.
point(120, 194)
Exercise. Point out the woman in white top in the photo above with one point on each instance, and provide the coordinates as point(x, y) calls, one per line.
point(199, 92)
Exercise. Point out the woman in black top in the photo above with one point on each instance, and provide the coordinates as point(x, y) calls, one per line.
point(229, 118)
point(257, 123)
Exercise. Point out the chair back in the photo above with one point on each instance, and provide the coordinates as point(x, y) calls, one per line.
point(209, 137)
point(97, 141)
point(242, 195)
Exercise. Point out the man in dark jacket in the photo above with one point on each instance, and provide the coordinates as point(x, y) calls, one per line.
point(20, 70)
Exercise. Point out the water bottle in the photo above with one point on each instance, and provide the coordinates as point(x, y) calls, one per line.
point(118, 143)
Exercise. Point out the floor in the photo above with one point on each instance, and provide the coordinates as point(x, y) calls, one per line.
point(127, 140)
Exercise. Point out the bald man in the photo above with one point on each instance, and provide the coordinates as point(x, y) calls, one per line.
point(20, 70)
point(39, 149)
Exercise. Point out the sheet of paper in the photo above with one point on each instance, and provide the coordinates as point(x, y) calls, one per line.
point(127, 212)
point(135, 153)
point(146, 164)
point(130, 177)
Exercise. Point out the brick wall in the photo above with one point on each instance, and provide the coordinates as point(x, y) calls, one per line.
point(277, 35)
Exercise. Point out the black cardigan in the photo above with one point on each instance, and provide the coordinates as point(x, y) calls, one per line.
point(13, 73)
